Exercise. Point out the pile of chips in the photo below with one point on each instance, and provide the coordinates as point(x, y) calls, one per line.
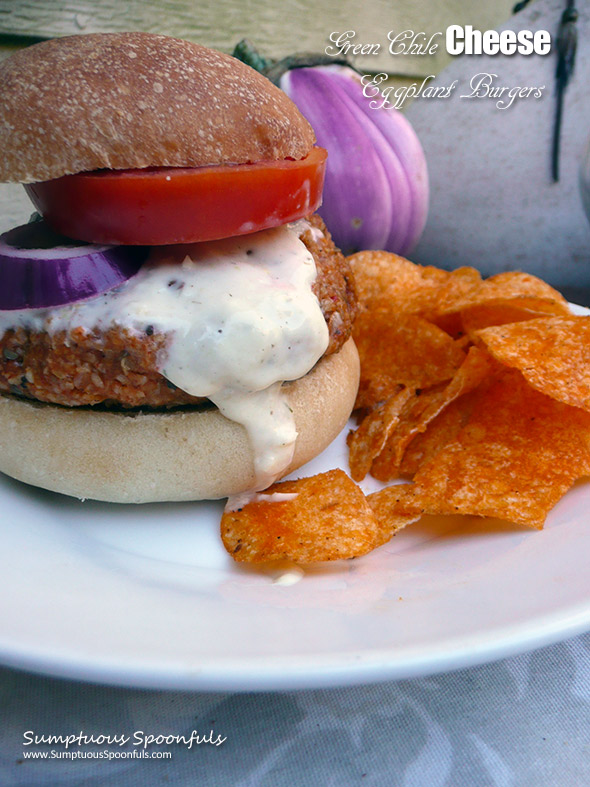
point(476, 392)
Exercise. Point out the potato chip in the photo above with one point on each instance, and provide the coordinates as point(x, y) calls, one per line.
point(461, 286)
point(483, 315)
point(517, 284)
point(324, 517)
point(440, 431)
point(385, 465)
point(553, 354)
point(366, 442)
point(395, 502)
point(385, 280)
point(425, 408)
point(401, 349)
point(518, 454)
point(503, 287)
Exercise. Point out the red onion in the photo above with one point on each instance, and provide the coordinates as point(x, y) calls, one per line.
point(39, 269)
point(376, 188)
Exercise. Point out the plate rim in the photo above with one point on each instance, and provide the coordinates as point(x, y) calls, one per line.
point(355, 668)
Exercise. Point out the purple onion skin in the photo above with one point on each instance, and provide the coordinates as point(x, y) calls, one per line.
point(376, 188)
point(41, 278)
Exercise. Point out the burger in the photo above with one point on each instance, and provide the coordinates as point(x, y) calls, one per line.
point(176, 323)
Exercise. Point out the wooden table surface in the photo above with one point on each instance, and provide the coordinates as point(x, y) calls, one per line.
point(277, 28)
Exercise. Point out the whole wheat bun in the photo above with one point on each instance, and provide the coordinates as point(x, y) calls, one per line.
point(134, 100)
point(186, 455)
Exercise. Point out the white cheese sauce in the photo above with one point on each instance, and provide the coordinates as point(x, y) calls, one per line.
point(241, 319)
point(237, 502)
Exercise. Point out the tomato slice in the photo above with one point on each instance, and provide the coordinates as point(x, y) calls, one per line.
point(162, 205)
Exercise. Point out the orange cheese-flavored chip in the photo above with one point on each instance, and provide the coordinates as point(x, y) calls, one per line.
point(395, 501)
point(483, 315)
point(385, 280)
point(324, 517)
point(553, 354)
point(517, 284)
point(517, 455)
point(425, 408)
point(367, 442)
point(503, 287)
point(401, 349)
point(461, 287)
point(440, 431)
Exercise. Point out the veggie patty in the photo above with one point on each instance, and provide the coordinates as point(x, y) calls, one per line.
point(118, 367)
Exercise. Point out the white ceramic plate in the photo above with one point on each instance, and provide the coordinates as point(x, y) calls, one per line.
point(146, 596)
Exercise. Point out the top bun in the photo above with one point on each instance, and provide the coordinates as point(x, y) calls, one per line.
point(134, 100)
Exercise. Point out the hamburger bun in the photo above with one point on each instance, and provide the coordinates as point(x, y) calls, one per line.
point(131, 101)
point(182, 455)
point(135, 100)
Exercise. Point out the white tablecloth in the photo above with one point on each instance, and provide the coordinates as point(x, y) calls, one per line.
point(523, 721)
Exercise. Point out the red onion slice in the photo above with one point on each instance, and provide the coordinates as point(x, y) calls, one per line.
point(39, 268)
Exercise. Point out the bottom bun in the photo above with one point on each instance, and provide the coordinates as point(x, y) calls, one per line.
point(149, 457)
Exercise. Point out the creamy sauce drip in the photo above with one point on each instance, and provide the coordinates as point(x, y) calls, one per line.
point(241, 317)
point(237, 502)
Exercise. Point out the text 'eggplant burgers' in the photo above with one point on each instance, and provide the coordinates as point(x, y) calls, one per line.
point(177, 327)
